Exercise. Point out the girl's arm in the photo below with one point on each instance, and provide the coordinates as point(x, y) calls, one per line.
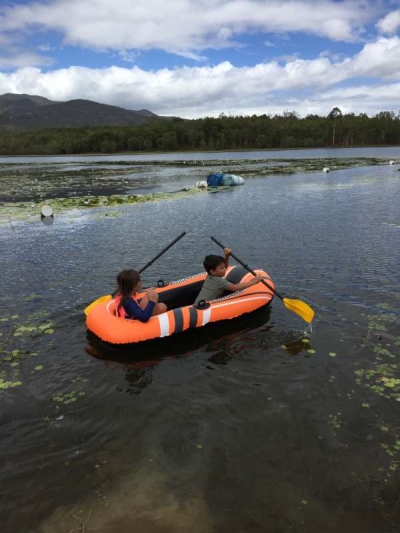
point(133, 310)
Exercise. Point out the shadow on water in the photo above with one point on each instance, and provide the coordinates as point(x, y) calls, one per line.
point(219, 340)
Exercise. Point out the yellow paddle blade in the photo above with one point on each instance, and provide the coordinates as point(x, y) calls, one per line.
point(299, 307)
point(97, 302)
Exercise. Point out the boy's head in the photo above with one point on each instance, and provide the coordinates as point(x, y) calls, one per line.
point(215, 265)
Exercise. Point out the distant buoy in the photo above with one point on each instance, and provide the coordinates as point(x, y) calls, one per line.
point(326, 169)
point(201, 184)
point(391, 162)
point(46, 211)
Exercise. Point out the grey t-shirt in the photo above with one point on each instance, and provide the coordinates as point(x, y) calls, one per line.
point(213, 287)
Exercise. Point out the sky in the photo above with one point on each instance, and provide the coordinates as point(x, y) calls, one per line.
point(197, 58)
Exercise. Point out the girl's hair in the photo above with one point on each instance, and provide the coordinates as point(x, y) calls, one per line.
point(127, 281)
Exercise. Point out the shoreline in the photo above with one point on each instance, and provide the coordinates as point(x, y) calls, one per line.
point(189, 151)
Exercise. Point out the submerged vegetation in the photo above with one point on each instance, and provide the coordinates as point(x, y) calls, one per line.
point(19, 343)
point(222, 133)
point(26, 210)
point(110, 184)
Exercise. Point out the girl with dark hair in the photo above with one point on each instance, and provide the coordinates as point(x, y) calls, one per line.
point(127, 306)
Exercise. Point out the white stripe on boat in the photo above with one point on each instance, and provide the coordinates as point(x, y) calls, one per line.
point(206, 316)
point(243, 299)
point(108, 307)
point(164, 324)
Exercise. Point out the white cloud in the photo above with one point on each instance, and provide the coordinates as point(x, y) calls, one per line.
point(390, 23)
point(45, 47)
point(129, 57)
point(205, 90)
point(333, 57)
point(380, 59)
point(184, 26)
point(21, 59)
point(288, 58)
point(370, 99)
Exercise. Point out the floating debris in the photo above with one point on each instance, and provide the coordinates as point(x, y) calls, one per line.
point(46, 211)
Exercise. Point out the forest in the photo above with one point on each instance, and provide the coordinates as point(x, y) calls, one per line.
point(266, 131)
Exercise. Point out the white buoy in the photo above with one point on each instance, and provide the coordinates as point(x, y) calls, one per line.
point(201, 184)
point(391, 162)
point(326, 169)
point(46, 211)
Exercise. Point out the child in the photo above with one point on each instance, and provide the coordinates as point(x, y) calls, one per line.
point(129, 284)
point(215, 283)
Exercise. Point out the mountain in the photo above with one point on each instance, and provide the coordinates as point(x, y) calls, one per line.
point(28, 112)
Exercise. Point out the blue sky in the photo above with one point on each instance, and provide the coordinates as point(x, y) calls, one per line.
point(196, 58)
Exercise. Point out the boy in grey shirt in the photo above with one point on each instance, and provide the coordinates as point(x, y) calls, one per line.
point(215, 283)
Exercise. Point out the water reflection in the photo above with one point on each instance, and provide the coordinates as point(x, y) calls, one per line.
point(297, 346)
point(47, 221)
point(224, 340)
point(220, 358)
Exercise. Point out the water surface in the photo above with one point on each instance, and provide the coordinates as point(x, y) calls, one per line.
point(260, 426)
point(370, 151)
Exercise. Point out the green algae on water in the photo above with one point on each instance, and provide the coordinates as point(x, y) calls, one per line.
point(25, 211)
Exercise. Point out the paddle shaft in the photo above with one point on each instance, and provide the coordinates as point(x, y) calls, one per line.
point(102, 298)
point(248, 268)
point(159, 255)
point(162, 252)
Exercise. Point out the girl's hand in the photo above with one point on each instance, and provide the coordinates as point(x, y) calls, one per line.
point(227, 252)
point(152, 296)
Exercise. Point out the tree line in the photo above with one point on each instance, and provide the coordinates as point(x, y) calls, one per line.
point(223, 133)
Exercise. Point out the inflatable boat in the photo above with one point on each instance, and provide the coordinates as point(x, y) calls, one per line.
point(181, 315)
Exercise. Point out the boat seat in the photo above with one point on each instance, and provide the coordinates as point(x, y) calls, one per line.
point(181, 296)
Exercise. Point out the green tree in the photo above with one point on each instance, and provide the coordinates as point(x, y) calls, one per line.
point(333, 116)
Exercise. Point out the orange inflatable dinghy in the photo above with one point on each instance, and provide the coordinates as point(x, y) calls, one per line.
point(181, 315)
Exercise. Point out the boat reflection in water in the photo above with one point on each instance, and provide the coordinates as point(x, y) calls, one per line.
point(138, 359)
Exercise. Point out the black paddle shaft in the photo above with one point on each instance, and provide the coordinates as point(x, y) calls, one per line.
point(162, 252)
point(157, 256)
point(247, 268)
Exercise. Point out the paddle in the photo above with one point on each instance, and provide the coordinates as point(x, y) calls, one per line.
point(297, 306)
point(109, 296)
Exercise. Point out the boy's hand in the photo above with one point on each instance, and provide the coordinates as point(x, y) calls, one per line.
point(227, 252)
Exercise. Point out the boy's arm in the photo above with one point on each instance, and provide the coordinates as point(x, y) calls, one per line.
point(239, 286)
point(227, 253)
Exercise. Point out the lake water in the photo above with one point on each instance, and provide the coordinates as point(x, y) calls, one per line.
point(371, 151)
point(259, 426)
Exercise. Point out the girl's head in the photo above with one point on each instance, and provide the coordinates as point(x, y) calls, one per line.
point(128, 282)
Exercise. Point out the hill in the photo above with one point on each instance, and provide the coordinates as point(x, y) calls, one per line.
point(28, 112)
